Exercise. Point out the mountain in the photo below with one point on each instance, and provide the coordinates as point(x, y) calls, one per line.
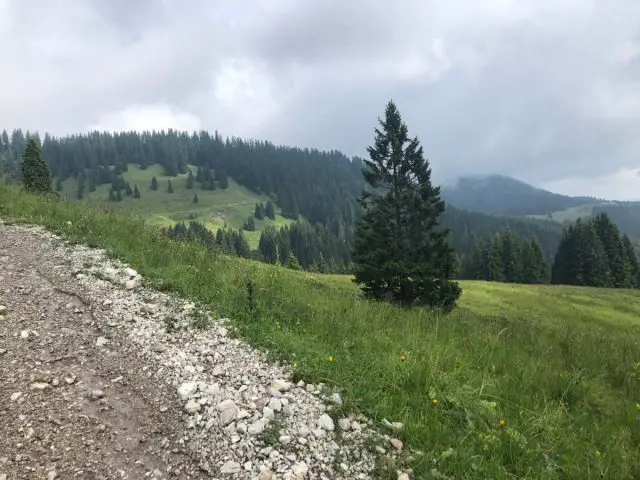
point(501, 195)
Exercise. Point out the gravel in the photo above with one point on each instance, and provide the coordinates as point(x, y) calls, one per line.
point(135, 399)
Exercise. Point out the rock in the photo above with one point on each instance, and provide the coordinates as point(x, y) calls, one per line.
point(187, 390)
point(228, 412)
point(131, 273)
point(3, 351)
point(159, 347)
point(395, 443)
point(39, 386)
point(275, 404)
point(96, 394)
point(344, 424)
point(397, 426)
point(192, 407)
point(256, 427)
point(326, 422)
point(403, 476)
point(285, 439)
point(336, 398)
point(130, 285)
point(303, 431)
point(310, 387)
point(281, 385)
point(15, 396)
point(230, 468)
point(247, 466)
point(101, 341)
point(52, 475)
point(300, 470)
point(3, 309)
point(319, 433)
point(24, 334)
point(218, 371)
point(267, 413)
point(266, 475)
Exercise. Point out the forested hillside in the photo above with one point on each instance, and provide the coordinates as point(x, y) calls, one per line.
point(321, 187)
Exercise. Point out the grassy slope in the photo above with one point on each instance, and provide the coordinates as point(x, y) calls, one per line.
point(570, 214)
point(159, 207)
point(560, 363)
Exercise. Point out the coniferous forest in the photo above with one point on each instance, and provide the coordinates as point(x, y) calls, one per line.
point(319, 191)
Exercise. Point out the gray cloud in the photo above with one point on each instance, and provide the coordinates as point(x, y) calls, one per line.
point(544, 90)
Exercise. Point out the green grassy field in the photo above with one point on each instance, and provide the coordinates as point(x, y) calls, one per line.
point(534, 382)
point(214, 208)
point(570, 214)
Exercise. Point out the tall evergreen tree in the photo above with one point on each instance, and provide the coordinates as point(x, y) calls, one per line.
point(259, 212)
point(249, 224)
point(268, 244)
point(610, 237)
point(36, 175)
point(222, 179)
point(270, 210)
point(154, 183)
point(169, 187)
point(127, 190)
point(112, 195)
point(400, 253)
point(190, 180)
point(632, 261)
point(118, 196)
point(136, 192)
point(195, 198)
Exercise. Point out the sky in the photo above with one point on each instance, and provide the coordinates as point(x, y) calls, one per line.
point(547, 91)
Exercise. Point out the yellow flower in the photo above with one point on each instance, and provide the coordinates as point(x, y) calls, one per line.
point(295, 364)
point(503, 422)
point(330, 359)
point(638, 406)
point(434, 401)
point(403, 357)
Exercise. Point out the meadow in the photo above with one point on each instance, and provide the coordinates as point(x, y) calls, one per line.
point(215, 209)
point(535, 382)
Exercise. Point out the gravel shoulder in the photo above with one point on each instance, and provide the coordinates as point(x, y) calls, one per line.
point(101, 378)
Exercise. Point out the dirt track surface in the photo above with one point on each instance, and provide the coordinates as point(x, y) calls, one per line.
point(69, 407)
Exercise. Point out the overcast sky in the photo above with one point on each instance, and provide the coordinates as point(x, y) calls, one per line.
point(545, 90)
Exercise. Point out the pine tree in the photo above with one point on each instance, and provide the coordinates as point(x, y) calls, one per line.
point(127, 190)
point(190, 180)
point(195, 198)
point(270, 210)
point(154, 183)
point(92, 180)
point(249, 224)
point(80, 191)
point(540, 269)
point(118, 196)
point(400, 253)
point(221, 177)
point(59, 187)
point(36, 175)
point(292, 262)
point(112, 195)
point(609, 235)
point(259, 211)
point(268, 244)
point(510, 256)
point(169, 187)
point(136, 192)
point(632, 263)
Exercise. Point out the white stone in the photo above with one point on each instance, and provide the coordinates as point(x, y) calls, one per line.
point(228, 412)
point(130, 285)
point(101, 341)
point(192, 406)
point(256, 427)
point(3, 309)
point(344, 424)
point(336, 398)
point(326, 422)
point(187, 390)
point(300, 470)
point(15, 396)
point(403, 476)
point(24, 334)
point(319, 433)
point(131, 273)
point(285, 439)
point(218, 371)
point(230, 468)
point(304, 431)
point(395, 443)
point(39, 386)
point(275, 404)
point(267, 413)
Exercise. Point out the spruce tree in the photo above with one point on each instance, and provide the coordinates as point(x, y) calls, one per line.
point(136, 192)
point(540, 269)
point(510, 256)
point(154, 183)
point(249, 224)
point(112, 195)
point(118, 196)
point(400, 253)
point(632, 261)
point(190, 180)
point(268, 244)
point(36, 175)
point(195, 198)
point(609, 235)
point(127, 190)
point(169, 187)
point(58, 185)
point(259, 212)
point(221, 177)
point(270, 210)
point(292, 262)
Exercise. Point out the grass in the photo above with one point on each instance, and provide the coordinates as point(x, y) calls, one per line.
point(519, 382)
point(570, 214)
point(216, 208)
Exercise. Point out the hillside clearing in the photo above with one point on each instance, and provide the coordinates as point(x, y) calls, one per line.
point(536, 383)
point(230, 206)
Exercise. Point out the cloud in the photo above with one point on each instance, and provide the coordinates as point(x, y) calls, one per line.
point(545, 90)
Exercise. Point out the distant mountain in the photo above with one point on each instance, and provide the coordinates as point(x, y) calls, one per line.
point(501, 195)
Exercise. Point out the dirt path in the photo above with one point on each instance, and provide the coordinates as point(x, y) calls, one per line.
point(69, 407)
point(104, 378)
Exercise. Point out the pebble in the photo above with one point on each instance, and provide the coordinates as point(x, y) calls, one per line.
point(101, 341)
point(3, 309)
point(96, 394)
point(326, 422)
point(397, 444)
point(230, 468)
point(192, 406)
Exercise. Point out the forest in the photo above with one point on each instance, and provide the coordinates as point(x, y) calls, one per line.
point(316, 189)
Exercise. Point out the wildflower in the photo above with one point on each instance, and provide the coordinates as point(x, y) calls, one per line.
point(295, 364)
point(503, 422)
point(330, 359)
point(434, 401)
point(403, 357)
point(638, 406)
